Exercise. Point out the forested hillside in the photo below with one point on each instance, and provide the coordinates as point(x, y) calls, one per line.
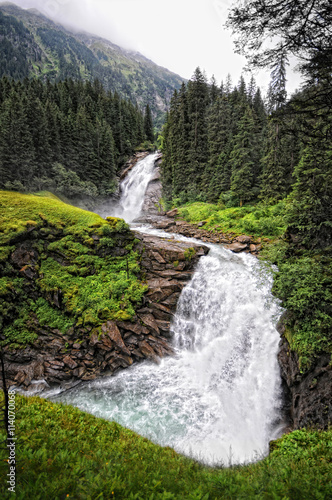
point(31, 45)
point(218, 144)
point(265, 168)
point(68, 137)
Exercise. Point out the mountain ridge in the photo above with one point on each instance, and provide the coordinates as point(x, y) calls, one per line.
point(45, 49)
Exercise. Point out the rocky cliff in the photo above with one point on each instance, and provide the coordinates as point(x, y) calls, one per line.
point(307, 394)
point(55, 358)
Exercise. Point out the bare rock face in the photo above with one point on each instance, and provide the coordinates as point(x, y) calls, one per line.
point(308, 394)
point(58, 359)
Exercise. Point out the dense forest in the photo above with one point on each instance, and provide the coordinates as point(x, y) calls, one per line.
point(69, 137)
point(216, 144)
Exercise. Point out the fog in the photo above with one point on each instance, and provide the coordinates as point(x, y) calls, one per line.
point(178, 34)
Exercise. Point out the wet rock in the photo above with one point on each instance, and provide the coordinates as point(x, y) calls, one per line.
point(153, 195)
point(308, 394)
point(131, 163)
point(147, 350)
point(94, 340)
point(161, 312)
point(133, 327)
point(113, 332)
point(149, 320)
point(244, 239)
point(237, 247)
point(79, 372)
point(70, 362)
point(172, 213)
point(24, 256)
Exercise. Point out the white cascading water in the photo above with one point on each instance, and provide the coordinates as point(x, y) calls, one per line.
point(218, 399)
point(133, 189)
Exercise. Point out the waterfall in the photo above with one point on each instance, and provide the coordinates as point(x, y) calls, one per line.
point(133, 189)
point(218, 399)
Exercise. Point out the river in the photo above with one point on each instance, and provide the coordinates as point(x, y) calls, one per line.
point(218, 399)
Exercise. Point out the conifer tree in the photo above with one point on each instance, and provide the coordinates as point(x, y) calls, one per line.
point(148, 124)
point(241, 159)
point(197, 96)
point(274, 182)
point(16, 145)
point(310, 214)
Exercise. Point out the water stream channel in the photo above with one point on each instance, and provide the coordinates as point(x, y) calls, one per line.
point(218, 399)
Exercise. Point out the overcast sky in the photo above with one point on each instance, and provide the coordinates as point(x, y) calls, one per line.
point(177, 34)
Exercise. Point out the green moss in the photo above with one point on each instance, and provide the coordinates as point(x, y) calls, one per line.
point(75, 270)
point(189, 253)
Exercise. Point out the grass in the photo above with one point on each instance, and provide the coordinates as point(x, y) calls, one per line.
point(85, 269)
point(62, 452)
point(260, 220)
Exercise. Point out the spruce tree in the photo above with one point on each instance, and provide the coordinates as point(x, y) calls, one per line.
point(17, 152)
point(197, 96)
point(241, 159)
point(310, 214)
point(148, 124)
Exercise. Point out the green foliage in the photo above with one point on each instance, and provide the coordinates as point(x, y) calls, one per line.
point(259, 220)
point(310, 213)
point(304, 285)
point(78, 281)
point(213, 142)
point(62, 452)
point(148, 124)
point(67, 137)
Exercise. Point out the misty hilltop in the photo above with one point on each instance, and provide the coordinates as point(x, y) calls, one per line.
point(32, 45)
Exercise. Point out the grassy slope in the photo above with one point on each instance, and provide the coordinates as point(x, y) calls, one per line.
point(65, 453)
point(75, 257)
point(266, 221)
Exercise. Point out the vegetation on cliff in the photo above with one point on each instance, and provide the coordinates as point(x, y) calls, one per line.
point(65, 453)
point(62, 267)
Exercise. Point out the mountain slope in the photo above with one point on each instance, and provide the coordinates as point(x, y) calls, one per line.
point(31, 45)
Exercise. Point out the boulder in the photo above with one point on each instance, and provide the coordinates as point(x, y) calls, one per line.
point(237, 247)
point(172, 213)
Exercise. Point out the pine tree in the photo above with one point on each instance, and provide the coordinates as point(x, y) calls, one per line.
point(241, 159)
point(310, 214)
point(16, 145)
point(148, 124)
point(219, 117)
point(197, 96)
